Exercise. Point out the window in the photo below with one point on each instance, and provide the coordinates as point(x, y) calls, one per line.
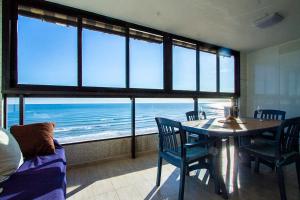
point(184, 67)
point(103, 59)
point(148, 109)
point(47, 53)
point(208, 72)
point(227, 74)
point(146, 60)
point(12, 112)
point(213, 108)
point(81, 119)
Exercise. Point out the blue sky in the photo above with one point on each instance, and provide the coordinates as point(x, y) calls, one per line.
point(47, 55)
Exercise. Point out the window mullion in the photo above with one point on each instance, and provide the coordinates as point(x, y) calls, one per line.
point(133, 127)
point(127, 58)
point(197, 68)
point(218, 72)
point(79, 52)
point(21, 110)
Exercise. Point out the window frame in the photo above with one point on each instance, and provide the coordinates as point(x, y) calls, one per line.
point(10, 86)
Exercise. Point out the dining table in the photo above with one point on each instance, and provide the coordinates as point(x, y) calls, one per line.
point(236, 128)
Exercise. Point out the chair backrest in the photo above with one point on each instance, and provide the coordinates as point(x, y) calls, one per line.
point(270, 114)
point(288, 136)
point(168, 140)
point(193, 115)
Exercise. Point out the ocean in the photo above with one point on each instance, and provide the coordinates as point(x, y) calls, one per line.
point(77, 122)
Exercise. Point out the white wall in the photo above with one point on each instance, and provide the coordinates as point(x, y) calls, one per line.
point(272, 79)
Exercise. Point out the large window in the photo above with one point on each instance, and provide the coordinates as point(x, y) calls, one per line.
point(47, 53)
point(103, 59)
point(227, 74)
point(81, 119)
point(96, 56)
point(184, 68)
point(146, 61)
point(208, 72)
point(148, 109)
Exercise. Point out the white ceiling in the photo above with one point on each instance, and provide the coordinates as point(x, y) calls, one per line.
point(227, 23)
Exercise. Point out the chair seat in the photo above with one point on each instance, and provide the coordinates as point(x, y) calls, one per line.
point(263, 140)
point(265, 149)
point(268, 134)
point(195, 153)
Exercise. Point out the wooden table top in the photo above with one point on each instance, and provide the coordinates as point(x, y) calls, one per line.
point(242, 126)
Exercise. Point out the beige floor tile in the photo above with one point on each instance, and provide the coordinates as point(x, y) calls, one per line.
point(129, 193)
point(135, 179)
point(107, 196)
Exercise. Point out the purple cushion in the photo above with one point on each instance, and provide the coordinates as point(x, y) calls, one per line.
point(42, 177)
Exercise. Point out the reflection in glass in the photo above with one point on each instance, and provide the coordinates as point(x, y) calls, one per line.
point(148, 109)
point(103, 59)
point(47, 53)
point(12, 112)
point(81, 119)
point(208, 72)
point(146, 64)
point(184, 68)
point(226, 74)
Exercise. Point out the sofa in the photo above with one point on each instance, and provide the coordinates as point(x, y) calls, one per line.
point(42, 177)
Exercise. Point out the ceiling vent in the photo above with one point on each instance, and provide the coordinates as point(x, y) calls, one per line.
point(269, 20)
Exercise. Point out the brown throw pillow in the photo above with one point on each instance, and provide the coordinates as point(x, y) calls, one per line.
point(35, 139)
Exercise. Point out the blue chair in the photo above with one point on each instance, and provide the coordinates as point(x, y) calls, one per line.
point(284, 150)
point(269, 136)
point(270, 114)
point(173, 148)
point(192, 116)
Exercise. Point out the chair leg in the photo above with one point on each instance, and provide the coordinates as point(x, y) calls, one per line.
point(187, 171)
point(298, 171)
point(256, 168)
point(280, 177)
point(159, 166)
point(182, 181)
point(214, 175)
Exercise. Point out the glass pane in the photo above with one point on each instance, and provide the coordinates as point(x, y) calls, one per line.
point(227, 74)
point(12, 112)
point(47, 53)
point(148, 109)
point(146, 64)
point(184, 68)
point(103, 59)
point(81, 119)
point(213, 107)
point(208, 72)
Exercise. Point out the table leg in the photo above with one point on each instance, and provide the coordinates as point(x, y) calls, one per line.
point(236, 162)
point(218, 161)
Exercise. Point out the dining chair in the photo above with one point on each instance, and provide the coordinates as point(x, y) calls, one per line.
point(173, 148)
point(268, 136)
point(192, 116)
point(270, 114)
point(284, 151)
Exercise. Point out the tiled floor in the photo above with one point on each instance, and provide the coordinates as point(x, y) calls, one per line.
point(135, 179)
